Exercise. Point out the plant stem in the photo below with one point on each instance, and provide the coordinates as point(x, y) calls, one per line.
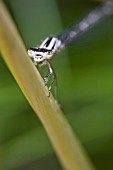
point(69, 150)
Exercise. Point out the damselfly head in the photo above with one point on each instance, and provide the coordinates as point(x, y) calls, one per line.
point(39, 54)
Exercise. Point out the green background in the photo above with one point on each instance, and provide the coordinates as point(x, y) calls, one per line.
point(85, 88)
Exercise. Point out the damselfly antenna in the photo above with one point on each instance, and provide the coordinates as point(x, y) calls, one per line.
point(53, 44)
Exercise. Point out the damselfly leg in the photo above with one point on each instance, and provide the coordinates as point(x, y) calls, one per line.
point(54, 80)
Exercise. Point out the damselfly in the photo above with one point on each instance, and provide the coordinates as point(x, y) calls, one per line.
point(41, 55)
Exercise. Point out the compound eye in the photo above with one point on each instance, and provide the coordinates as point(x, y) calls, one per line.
point(49, 52)
point(29, 51)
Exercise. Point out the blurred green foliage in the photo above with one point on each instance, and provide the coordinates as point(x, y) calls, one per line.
point(85, 85)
